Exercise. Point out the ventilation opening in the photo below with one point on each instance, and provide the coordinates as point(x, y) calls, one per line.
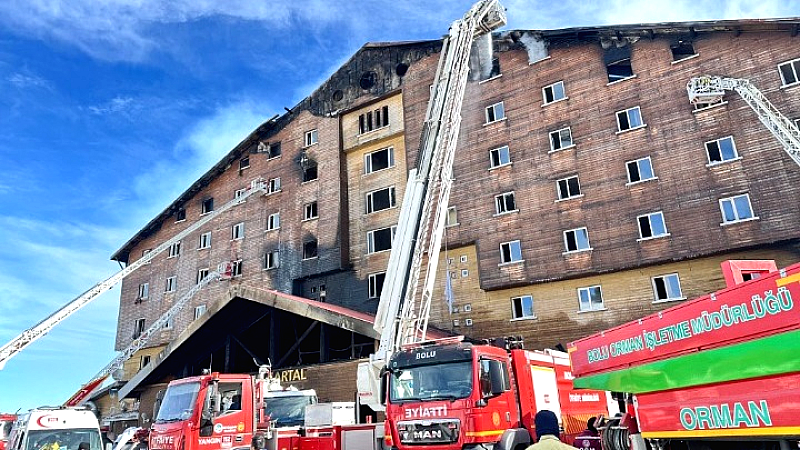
point(338, 95)
point(367, 80)
point(401, 69)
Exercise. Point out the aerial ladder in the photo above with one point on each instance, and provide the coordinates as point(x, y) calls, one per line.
point(30, 335)
point(404, 308)
point(222, 272)
point(711, 89)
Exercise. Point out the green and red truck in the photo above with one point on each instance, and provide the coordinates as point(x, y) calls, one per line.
point(719, 371)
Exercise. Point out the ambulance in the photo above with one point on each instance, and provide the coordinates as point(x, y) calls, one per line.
point(56, 428)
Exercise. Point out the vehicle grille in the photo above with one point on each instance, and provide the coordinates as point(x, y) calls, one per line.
point(428, 432)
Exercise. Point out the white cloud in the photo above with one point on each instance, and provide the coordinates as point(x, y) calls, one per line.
point(26, 80)
point(200, 147)
point(115, 105)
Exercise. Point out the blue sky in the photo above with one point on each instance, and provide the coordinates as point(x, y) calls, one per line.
point(110, 108)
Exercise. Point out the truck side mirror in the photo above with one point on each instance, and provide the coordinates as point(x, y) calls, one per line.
point(384, 385)
point(496, 377)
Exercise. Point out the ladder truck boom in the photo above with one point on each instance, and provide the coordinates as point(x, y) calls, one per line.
point(28, 336)
point(710, 89)
point(401, 317)
point(222, 272)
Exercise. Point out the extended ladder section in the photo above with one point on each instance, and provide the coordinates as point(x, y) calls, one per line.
point(402, 317)
point(708, 90)
point(222, 272)
point(28, 336)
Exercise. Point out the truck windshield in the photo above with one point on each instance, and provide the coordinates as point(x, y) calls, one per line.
point(178, 403)
point(288, 411)
point(439, 381)
point(68, 439)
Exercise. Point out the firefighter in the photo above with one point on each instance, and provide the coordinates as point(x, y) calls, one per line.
point(547, 432)
point(589, 439)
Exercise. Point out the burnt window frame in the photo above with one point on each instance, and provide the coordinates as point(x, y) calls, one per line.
point(310, 249)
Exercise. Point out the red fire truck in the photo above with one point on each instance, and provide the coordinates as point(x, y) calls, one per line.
point(719, 371)
point(452, 394)
point(228, 411)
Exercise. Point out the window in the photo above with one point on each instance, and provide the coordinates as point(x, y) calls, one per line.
point(380, 240)
point(138, 328)
point(500, 156)
point(568, 188)
point(273, 221)
point(505, 203)
point(522, 307)
point(640, 170)
point(169, 324)
point(721, 150)
point(380, 200)
point(495, 112)
point(553, 93)
point(464, 273)
point(790, 72)
point(144, 290)
point(244, 163)
point(590, 298)
point(174, 250)
point(379, 160)
point(180, 215)
point(372, 120)
point(463, 258)
point(310, 249)
point(170, 285)
point(236, 268)
point(736, 209)
point(199, 311)
point(274, 185)
point(237, 231)
point(146, 252)
point(629, 119)
point(202, 274)
point(376, 284)
point(309, 170)
point(576, 240)
point(144, 361)
point(619, 70)
point(205, 241)
point(709, 104)
point(682, 50)
point(274, 150)
point(310, 211)
point(561, 139)
point(271, 260)
point(207, 206)
point(239, 193)
point(510, 252)
point(666, 288)
point(652, 225)
point(310, 138)
point(452, 217)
